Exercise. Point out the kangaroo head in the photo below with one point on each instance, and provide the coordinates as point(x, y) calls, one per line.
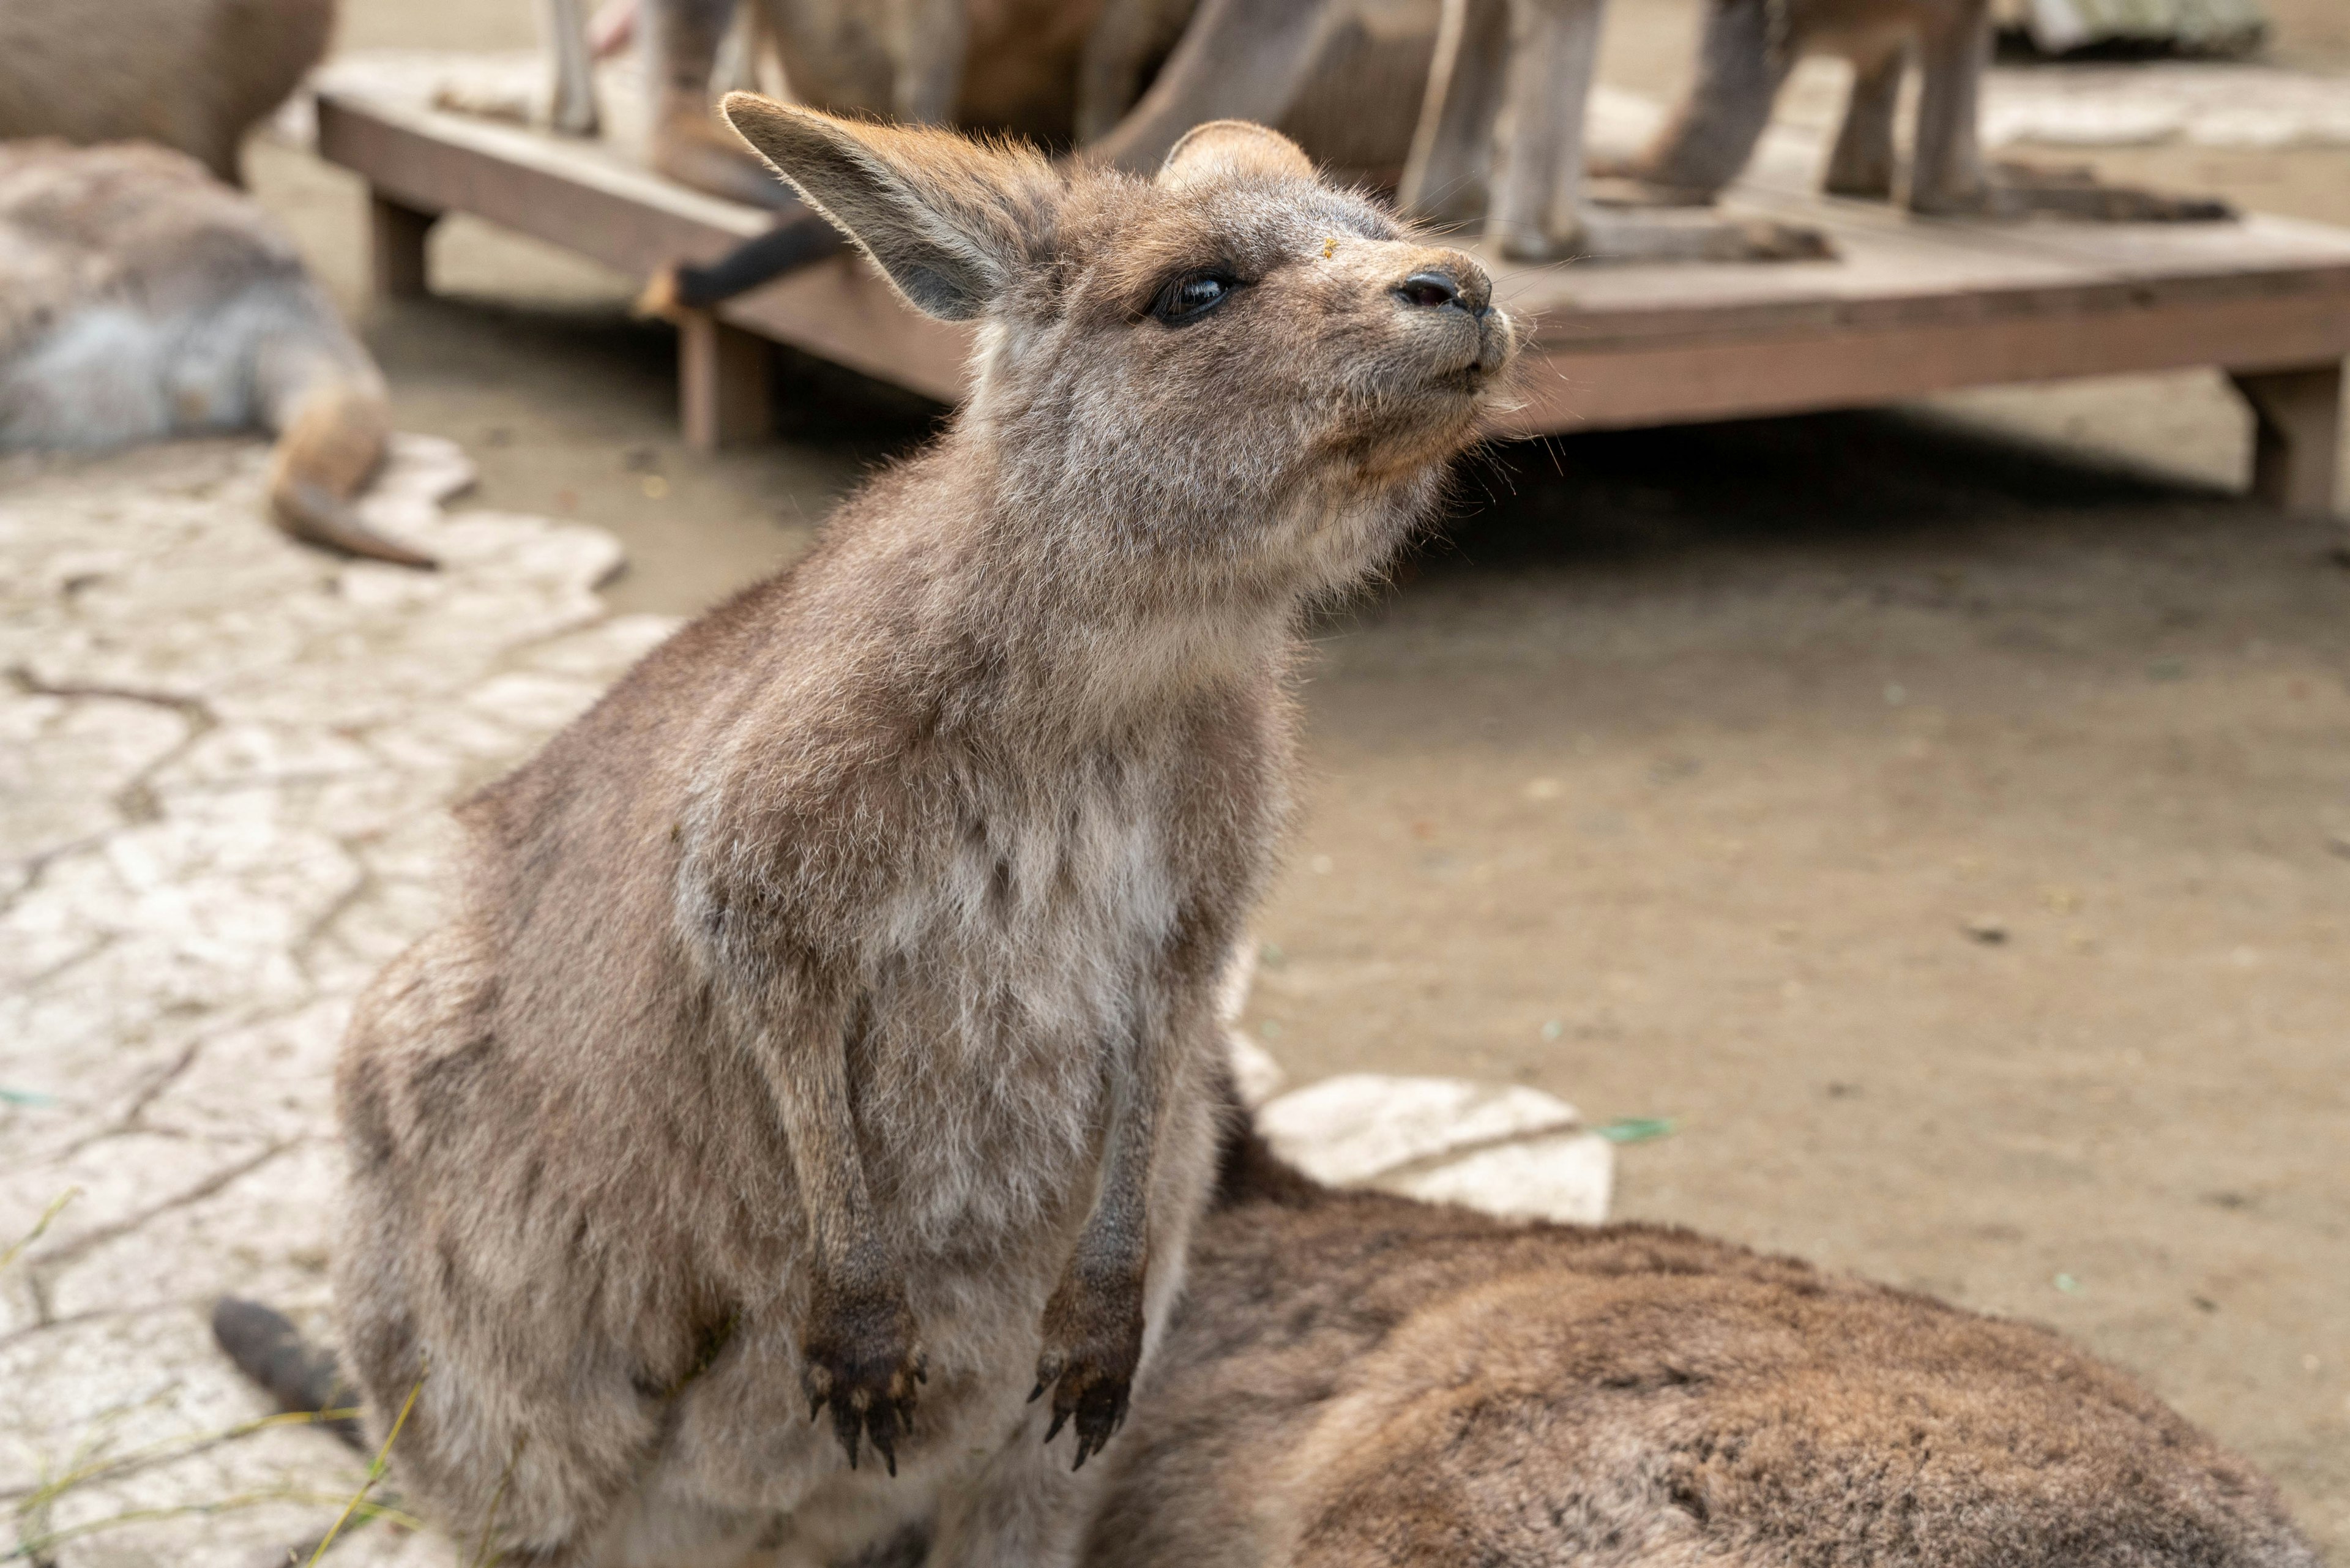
point(1231, 367)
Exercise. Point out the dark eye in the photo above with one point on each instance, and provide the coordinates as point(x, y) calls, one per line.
point(1192, 295)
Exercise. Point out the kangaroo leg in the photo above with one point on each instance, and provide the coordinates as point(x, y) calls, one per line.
point(574, 112)
point(1947, 175)
point(859, 1350)
point(1862, 165)
point(932, 39)
point(1537, 211)
point(1125, 38)
point(1539, 208)
point(680, 39)
point(1239, 59)
point(1713, 133)
point(1452, 146)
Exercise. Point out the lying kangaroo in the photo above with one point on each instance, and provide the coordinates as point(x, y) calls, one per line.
point(141, 298)
point(1353, 1380)
point(1361, 1381)
point(190, 74)
point(830, 1019)
point(1749, 46)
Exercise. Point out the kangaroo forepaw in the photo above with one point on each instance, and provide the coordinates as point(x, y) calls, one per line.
point(1093, 1344)
point(863, 1363)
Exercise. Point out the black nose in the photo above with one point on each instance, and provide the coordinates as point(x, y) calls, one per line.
point(1433, 289)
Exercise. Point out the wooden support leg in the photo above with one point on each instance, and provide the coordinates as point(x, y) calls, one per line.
point(2297, 451)
point(396, 233)
point(722, 381)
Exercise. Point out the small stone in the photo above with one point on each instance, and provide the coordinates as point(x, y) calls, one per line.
point(1988, 930)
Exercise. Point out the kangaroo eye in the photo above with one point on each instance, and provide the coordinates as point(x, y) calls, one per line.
point(1192, 295)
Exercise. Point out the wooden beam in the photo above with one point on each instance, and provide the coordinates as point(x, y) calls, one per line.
point(397, 234)
point(2297, 437)
point(723, 382)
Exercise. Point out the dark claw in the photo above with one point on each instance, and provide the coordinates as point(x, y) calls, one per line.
point(1038, 1392)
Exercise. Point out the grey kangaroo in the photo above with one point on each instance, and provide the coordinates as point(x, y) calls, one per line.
point(1751, 46)
point(139, 298)
point(828, 1020)
point(1354, 1380)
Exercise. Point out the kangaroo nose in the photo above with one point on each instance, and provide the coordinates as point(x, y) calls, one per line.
point(1458, 281)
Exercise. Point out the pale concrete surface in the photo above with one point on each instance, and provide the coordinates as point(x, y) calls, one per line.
point(226, 761)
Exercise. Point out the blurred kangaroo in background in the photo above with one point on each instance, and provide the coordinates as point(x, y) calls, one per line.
point(1004, 66)
point(191, 74)
point(829, 1017)
point(1751, 46)
point(140, 298)
point(1354, 1380)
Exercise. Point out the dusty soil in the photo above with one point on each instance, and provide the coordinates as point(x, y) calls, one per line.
point(1942, 813)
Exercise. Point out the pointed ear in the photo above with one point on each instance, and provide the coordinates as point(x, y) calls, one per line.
point(1221, 149)
point(949, 220)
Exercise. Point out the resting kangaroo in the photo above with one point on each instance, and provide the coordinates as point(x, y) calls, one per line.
point(141, 298)
point(1749, 47)
point(828, 1021)
point(1354, 1380)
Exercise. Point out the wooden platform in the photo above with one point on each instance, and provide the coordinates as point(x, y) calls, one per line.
point(1909, 307)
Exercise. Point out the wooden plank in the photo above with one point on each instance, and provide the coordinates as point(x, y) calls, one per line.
point(397, 237)
point(633, 222)
point(1913, 306)
point(723, 379)
point(1736, 377)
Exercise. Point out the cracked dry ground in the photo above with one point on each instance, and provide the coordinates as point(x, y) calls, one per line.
point(225, 761)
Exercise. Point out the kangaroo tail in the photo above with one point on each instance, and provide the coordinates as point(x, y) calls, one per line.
point(269, 1350)
point(1247, 1170)
point(327, 450)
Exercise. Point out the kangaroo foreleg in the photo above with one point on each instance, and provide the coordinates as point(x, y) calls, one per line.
point(859, 1352)
point(1094, 1320)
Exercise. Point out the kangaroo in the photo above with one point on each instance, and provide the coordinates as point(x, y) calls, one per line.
point(1749, 47)
point(830, 1018)
point(1362, 1381)
point(140, 298)
point(191, 74)
point(1486, 121)
point(1355, 1380)
point(1008, 66)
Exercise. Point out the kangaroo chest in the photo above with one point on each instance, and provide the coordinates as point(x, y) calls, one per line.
point(1011, 974)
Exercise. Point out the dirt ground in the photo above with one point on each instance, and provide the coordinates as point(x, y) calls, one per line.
point(1942, 813)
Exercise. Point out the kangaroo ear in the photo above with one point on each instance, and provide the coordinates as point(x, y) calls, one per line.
point(951, 221)
point(1221, 149)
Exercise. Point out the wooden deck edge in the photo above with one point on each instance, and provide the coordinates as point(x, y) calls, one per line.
point(1652, 383)
point(838, 309)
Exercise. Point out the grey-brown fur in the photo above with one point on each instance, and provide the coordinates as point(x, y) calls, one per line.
point(140, 297)
point(830, 1007)
point(1361, 1381)
point(1749, 46)
point(191, 74)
